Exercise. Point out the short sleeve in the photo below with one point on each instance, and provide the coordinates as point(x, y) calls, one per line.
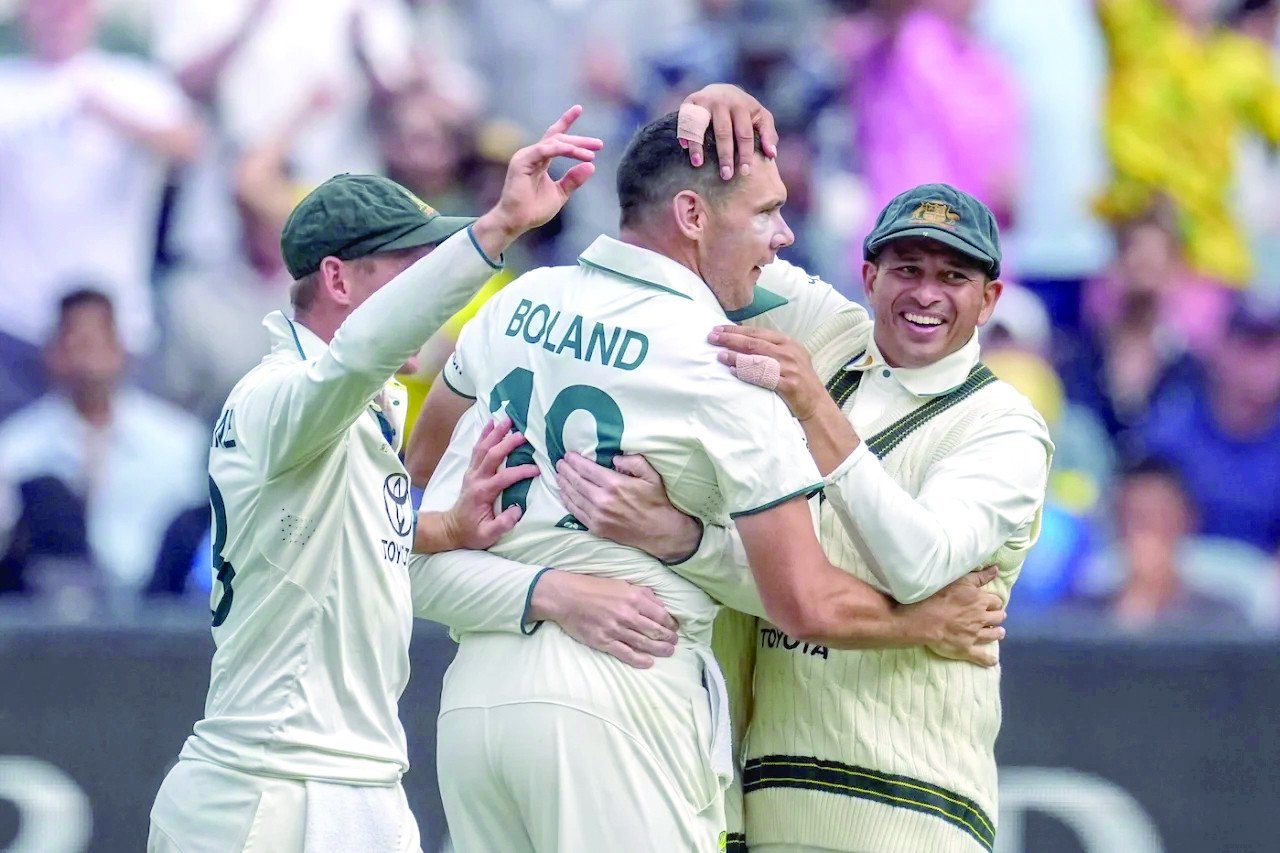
point(755, 446)
point(455, 374)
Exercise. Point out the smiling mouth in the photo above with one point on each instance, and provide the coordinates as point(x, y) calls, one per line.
point(922, 321)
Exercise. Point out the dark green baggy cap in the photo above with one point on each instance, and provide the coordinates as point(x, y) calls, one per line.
point(351, 216)
point(943, 213)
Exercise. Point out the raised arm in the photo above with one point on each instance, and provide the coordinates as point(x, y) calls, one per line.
point(304, 410)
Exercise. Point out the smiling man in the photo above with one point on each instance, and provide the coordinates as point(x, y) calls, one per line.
point(930, 466)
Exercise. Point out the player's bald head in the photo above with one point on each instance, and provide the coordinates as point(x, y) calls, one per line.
point(654, 169)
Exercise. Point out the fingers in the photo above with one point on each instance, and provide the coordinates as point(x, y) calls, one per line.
point(768, 132)
point(565, 121)
point(507, 477)
point(761, 370)
point(984, 655)
point(656, 613)
point(490, 435)
point(578, 508)
point(722, 127)
point(575, 177)
point(544, 152)
point(643, 644)
point(744, 136)
point(747, 344)
point(626, 654)
point(691, 129)
point(994, 604)
point(983, 576)
point(635, 465)
point(583, 468)
point(498, 451)
point(991, 635)
point(494, 529)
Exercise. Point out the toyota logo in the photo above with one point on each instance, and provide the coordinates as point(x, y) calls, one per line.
point(395, 499)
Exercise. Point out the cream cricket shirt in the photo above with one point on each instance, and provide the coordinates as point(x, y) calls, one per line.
point(312, 529)
point(611, 356)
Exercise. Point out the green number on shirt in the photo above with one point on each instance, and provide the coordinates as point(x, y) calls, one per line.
point(225, 572)
point(516, 391)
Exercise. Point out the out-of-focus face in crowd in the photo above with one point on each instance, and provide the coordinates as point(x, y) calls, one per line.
point(56, 30)
point(85, 356)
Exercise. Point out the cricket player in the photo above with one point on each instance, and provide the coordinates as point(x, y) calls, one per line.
point(301, 747)
point(546, 744)
point(880, 749)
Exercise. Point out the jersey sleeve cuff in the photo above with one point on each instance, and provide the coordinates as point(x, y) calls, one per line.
point(454, 388)
point(840, 471)
point(807, 491)
point(525, 627)
point(498, 264)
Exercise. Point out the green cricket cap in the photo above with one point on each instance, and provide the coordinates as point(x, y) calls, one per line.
point(351, 216)
point(943, 213)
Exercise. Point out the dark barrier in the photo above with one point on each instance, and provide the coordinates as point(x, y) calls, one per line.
point(1108, 746)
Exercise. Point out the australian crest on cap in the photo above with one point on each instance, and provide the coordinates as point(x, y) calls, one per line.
point(935, 213)
point(427, 210)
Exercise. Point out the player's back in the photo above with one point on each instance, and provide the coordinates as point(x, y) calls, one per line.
point(602, 360)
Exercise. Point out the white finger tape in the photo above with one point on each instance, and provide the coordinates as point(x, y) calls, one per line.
point(762, 370)
point(692, 123)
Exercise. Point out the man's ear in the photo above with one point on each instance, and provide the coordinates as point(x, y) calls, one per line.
point(990, 295)
point(690, 212)
point(333, 280)
point(869, 271)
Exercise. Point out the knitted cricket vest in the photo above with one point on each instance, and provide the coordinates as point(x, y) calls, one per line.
point(888, 749)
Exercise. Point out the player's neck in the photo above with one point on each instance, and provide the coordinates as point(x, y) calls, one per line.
point(321, 323)
point(676, 248)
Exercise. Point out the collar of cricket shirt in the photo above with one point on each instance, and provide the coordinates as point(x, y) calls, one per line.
point(929, 381)
point(293, 337)
point(647, 267)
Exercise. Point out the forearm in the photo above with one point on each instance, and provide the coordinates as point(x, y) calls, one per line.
point(847, 613)
point(830, 436)
point(972, 503)
point(434, 533)
point(397, 320)
point(475, 591)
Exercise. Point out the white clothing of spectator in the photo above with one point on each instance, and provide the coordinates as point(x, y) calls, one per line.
point(86, 141)
point(137, 461)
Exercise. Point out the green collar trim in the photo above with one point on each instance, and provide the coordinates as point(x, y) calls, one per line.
point(294, 330)
point(763, 300)
point(636, 279)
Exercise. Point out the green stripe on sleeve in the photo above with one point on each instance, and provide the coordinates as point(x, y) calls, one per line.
point(807, 491)
point(445, 377)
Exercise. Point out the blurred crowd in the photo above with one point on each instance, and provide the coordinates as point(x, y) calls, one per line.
point(150, 151)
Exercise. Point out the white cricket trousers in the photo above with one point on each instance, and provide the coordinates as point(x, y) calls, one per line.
point(208, 808)
point(553, 779)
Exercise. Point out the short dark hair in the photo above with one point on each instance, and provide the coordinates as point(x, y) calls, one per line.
point(654, 168)
point(1141, 466)
point(84, 296)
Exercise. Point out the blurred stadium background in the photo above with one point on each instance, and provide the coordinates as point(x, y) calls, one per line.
point(150, 150)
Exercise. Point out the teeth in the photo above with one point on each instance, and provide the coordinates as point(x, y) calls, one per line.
point(923, 320)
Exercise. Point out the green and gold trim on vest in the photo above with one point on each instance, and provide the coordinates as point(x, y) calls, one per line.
point(831, 777)
point(845, 382)
point(735, 842)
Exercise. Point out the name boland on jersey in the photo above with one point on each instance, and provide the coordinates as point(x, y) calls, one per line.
point(611, 357)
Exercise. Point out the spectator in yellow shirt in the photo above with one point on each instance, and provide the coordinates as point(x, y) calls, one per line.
point(1181, 88)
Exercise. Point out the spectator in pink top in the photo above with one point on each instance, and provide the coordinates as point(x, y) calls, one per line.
point(932, 103)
